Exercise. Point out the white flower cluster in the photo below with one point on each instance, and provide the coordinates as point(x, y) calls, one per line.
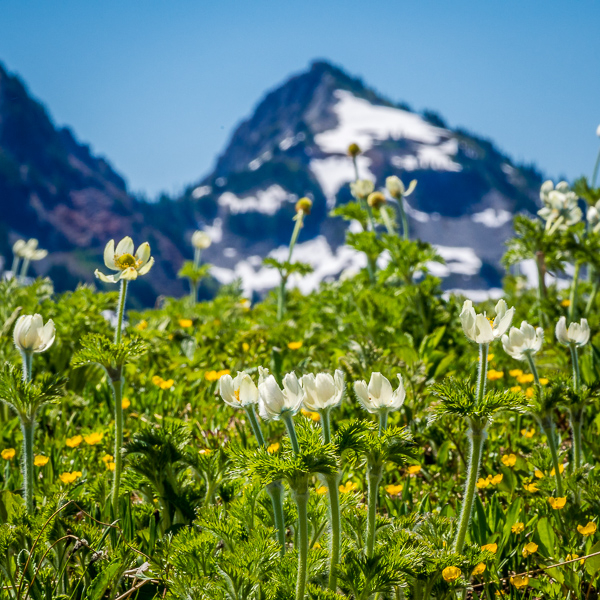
point(560, 208)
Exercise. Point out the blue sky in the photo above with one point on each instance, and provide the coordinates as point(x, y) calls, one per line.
point(158, 86)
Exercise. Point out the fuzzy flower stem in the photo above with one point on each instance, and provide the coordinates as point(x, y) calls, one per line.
point(27, 359)
point(592, 298)
point(281, 298)
point(547, 426)
point(405, 233)
point(576, 372)
point(573, 294)
point(334, 505)
point(254, 424)
point(374, 475)
point(24, 268)
point(301, 499)
point(197, 257)
point(15, 266)
point(274, 489)
point(477, 436)
point(576, 416)
point(383, 417)
point(288, 419)
point(117, 390)
point(482, 371)
point(387, 221)
point(27, 429)
point(121, 311)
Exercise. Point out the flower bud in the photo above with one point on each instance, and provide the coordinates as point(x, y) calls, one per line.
point(362, 188)
point(354, 150)
point(304, 205)
point(577, 334)
point(274, 401)
point(201, 240)
point(31, 335)
point(18, 247)
point(395, 187)
point(379, 394)
point(376, 200)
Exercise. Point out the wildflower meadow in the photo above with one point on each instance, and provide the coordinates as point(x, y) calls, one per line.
point(375, 439)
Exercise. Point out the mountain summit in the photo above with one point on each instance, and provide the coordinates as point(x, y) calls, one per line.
point(294, 144)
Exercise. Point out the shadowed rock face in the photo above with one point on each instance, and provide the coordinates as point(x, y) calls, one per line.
point(294, 144)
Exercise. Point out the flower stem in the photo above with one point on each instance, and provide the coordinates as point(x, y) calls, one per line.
point(27, 429)
point(404, 218)
point(383, 417)
point(576, 372)
point(27, 359)
point(477, 438)
point(121, 311)
point(592, 298)
point(595, 172)
point(547, 426)
point(288, 419)
point(374, 475)
point(274, 489)
point(301, 499)
point(193, 291)
point(573, 294)
point(117, 390)
point(482, 371)
point(576, 415)
point(336, 528)
point(24, 268)
point(325, 425)
point(299, 218)
point(387, 221)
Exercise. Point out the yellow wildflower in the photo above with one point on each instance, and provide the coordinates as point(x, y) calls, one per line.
point(157, 380)
point(530, 548)
point(482, 483)
point(74, 441)
point(414, 469)
point(493, 548)
point(509, 460)
point(538, 474)
point(107, 458)
point(525, 378)
point(519, 581)
point(531, 487)
point(110, 466)
point(125, 403)
point(185, 322)
point(8, 453)
point(478, 570)
point(142, 325)
point(516, 388)
point(223, 372)
point(543, 381)
point(565, 303)
point(295, 345)
point(529, 392)
point(518, 528)
point(321, 490)
point(394, 490)
point(69, 477)
point(245, 346)
point(589, 529)
point(496, 479)
point(561, 469)
point(528, 433)
point(41, 461)
point(211, 376)
point(273, 447)
point(166, 384)
point(317, 545)
point(557, 503)
point(204, 451)
point(313, 416)
point(349, 486)
point(515, 372)
point(451, 574)
point(93, 438)
point(490, 357)
point(494, 375)
point(575, 557)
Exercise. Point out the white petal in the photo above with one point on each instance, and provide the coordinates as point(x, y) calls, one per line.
point(143, 254)
point(129, 274)
point(561, 331)
point(143, 270)
point(248, 391)
point(362, 393)
point(106, 278)
point(483, 330)
point(109, 256)
point(501, 327)
point(125, 246)
point(226, 390)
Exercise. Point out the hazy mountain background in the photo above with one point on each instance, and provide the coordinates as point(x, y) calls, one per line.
point(294, 144)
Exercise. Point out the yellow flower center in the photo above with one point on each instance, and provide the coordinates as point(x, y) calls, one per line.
point(125, 261)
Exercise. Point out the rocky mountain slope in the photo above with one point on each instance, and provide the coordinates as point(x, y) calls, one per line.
point(293, 145)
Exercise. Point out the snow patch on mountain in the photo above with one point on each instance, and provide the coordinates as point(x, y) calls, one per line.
point(492, 218)
point(462, 261)
point(335, 171)
point(267, 201)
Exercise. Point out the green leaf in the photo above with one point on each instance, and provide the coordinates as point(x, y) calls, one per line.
point(592, 565)
point(547, 536)
point(9, 503)
point(100, 584)
point(512, 517)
